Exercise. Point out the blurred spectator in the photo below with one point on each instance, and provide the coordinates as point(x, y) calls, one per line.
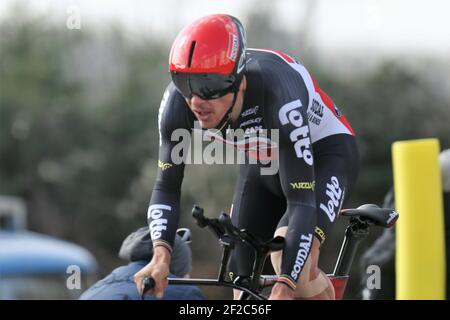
point(138, 250)
point(382, 252)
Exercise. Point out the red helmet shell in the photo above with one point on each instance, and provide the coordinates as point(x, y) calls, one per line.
point(211, 44)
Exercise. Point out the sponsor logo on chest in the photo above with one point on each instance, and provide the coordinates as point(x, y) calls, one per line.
point(315, 113)
point(253, 123)
point(250, 111)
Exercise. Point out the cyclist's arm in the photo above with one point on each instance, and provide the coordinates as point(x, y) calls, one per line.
point(296, 171)
point(163, 212)
point(164, 208)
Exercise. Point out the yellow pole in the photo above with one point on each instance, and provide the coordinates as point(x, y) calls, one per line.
point(420, 246)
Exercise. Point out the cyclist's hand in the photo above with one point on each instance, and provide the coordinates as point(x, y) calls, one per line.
point(158, 269)
point(281, 292)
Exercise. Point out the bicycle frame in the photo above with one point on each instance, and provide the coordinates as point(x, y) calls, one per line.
point(357, 230)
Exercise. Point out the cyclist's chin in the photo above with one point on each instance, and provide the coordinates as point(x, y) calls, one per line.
point(209, 123)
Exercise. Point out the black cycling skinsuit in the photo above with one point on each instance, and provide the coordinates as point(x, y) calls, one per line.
point(317, 156)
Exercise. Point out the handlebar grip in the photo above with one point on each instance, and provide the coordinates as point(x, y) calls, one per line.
point(147, 284)
point(198, 215)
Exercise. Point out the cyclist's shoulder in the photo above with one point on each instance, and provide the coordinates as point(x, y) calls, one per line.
point(173, 111)
point(280, 72)
point(171, 100)
point(269, 55)
point(275, 61)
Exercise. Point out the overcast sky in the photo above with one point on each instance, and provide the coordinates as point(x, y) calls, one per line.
point(387, 26)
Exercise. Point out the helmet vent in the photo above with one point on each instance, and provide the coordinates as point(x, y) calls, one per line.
point(191, 53)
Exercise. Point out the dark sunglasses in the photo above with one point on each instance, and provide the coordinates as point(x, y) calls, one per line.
point(204, 85)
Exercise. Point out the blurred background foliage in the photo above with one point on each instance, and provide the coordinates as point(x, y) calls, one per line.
point(79, 134)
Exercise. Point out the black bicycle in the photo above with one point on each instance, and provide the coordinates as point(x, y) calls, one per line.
point(360, 220)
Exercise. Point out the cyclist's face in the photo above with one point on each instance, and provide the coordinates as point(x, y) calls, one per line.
point(210, 112)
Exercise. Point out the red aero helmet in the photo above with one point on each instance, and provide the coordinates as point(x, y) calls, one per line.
point(208, 57)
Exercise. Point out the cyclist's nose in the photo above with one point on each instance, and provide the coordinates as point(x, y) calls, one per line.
point(196, 100)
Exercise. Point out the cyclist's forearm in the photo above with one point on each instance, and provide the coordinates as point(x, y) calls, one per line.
point(298, 242)
point(163, 217)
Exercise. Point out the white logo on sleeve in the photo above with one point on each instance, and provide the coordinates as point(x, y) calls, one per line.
point(302, 254)
point(335, 194)
point(158, 224)
point(300, 135)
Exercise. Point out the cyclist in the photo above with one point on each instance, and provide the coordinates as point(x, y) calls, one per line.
point(137, 250)
point(220, 84)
